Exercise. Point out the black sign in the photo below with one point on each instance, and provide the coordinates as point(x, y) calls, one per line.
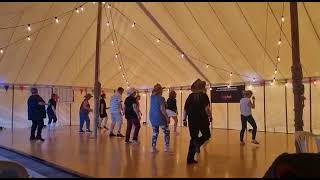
point(225, 94)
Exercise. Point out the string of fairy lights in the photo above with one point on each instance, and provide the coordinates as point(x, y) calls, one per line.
point(108, 7)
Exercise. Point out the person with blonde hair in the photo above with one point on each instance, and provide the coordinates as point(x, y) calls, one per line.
point(159, 118)
point(246, 116)
point(172, 109)
point(197, 110)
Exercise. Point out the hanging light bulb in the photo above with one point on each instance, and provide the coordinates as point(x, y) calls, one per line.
point(109, 6)
point(182, 55)
point(29, 27)
point(180, 91)
point(120, 67)
point(279, 42)
point(133, 25)
point(254, 79)
point(168, 89)
point(278, 58)
point(56, 19)
point(103, 2)
point(315, 82)
point(207, 65)
point(1, 51)
point(282, 19)
point(231, 74)
point(158, 40)
point(108, 24)
point(95, 2)
point(123, 76)
point(286, 84)
point(210, 88)
point(82, 8)
point(229, 85)
point(28, 38)
point(116, 55)
point(77, 10)
point(112, 41)
point(127, 82)
point(276, 71)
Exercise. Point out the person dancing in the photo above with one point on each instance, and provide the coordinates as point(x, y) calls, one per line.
point(132, 115)
point(116, 111)
point(84, 113)
point(172, 109)
point(246, 116)
point(197, 110)
point(103, 112)
point(51, 111)
point(159, 118)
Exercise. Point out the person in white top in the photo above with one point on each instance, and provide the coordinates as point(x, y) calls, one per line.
point(245, 108)
point(116, 111)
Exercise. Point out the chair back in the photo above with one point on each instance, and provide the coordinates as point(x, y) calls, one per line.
point(9, 169)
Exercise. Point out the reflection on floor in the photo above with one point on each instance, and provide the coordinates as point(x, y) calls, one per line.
point(111, 157)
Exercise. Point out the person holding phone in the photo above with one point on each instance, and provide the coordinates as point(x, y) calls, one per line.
point(246, 116)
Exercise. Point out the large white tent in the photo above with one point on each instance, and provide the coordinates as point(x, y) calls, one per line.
point(172, 43)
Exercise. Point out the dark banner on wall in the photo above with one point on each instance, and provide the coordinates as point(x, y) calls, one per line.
point(225, 94)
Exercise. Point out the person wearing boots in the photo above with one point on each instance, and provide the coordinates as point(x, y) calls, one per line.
point(36, 114)
point(51, 111)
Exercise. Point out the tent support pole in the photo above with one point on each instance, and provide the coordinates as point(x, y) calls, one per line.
point(286, 105)
point(181, 108)
point(310, 104)
point(228, 116)
point(296, 69)
point(264, 106)
point(97, 84)
point(12, 108)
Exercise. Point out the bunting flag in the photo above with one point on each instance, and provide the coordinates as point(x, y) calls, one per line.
point(6, 87)
point(21, 87)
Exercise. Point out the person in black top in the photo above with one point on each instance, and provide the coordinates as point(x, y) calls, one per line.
point(103, 112)
point(172, 109)
point(197, 109)
point(36, 114)
point(51, 111)
point(132, 115)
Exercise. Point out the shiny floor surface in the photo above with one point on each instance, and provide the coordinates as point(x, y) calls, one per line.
point(111, 157)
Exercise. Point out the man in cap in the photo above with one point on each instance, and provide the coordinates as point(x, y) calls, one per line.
point(36, 114)
point(132, 115)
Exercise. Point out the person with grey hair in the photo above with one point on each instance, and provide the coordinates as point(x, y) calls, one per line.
point(36, 114)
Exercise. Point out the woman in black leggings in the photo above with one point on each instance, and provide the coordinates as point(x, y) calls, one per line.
point(51, 111)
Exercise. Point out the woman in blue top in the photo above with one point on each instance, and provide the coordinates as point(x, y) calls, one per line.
point(159, 118)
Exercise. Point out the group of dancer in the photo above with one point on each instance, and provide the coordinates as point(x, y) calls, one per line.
point(197, 115)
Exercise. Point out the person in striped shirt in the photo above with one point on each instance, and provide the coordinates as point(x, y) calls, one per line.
point(116, 111)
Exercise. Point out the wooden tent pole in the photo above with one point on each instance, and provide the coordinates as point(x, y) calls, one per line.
point(297, 76)
point(97, 84)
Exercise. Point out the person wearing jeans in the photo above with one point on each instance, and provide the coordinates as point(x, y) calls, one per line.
point(84, 113)
point(197, 109)
point(159, 118)
point(116, 112)
point(36, 113)
point(246, 116)
point(132, 115)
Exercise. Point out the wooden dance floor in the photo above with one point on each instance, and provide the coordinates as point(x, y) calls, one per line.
point(111, 157)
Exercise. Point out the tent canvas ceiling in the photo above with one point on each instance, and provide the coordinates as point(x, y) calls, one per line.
point(238, 37)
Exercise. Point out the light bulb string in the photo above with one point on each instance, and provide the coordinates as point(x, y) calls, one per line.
point(43, 20)
point(170, 45)
point(33, 32)
point(116, 46)
point(279, 45)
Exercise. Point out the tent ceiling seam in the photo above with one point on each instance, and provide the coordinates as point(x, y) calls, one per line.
point(270, 59)
point(211, 42)
point(32, 44)
point(54, 47)
point(151, 17)
point(234, 42)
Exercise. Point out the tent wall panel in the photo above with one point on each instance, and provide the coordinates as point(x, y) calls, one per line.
point(275, 108)
point(5, 108)
point(219, 114)
point(234, 116)
point(315, 109)
point(20, 114)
